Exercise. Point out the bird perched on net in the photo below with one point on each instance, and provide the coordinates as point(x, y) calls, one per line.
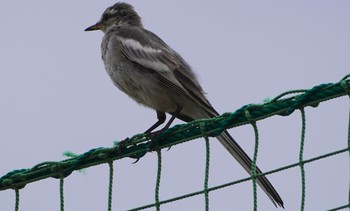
point(144, 67)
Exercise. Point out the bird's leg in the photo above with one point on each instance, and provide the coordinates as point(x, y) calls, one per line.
point(173, 116)
point(153, 144)
point(171, 120)
point(161, 119)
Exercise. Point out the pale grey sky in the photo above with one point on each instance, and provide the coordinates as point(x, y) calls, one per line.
point(55, 96)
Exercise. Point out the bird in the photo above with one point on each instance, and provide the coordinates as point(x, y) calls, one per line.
point(153, 74)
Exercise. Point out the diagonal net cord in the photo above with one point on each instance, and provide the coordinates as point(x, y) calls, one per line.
point(139, 145)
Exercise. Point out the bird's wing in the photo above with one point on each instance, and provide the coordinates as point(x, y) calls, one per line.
point(148, 50)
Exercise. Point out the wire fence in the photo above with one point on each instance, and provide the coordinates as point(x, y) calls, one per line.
point(140, 144)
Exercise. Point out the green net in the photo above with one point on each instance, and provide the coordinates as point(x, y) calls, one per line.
point(140, 144)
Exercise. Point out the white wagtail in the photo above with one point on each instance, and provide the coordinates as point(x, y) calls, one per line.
point(144, 67)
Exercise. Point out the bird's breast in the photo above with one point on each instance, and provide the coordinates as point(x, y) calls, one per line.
point(138, 84)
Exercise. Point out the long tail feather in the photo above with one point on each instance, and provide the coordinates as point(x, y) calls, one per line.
point(237, 152)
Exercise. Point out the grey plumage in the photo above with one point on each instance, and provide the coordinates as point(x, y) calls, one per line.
point(144, 67)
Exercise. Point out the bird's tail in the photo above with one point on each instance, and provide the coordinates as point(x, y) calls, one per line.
point(237, 152)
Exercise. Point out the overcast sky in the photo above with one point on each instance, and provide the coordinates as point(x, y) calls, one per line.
point(55, 96)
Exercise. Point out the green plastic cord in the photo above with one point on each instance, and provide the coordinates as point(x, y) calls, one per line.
point(17, 200)
point(62, 193)
point(110, 185)
point(159, 172)
point(140, 144)
point(301, 160)
point(255, 157)
point(207, 165)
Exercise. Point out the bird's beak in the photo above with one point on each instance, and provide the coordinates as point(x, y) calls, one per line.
point(97, 26)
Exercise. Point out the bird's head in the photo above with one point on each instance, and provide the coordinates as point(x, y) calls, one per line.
point(118, 14)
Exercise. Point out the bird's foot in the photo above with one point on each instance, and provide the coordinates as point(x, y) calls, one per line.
point(122, 144)
point(154, 143)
